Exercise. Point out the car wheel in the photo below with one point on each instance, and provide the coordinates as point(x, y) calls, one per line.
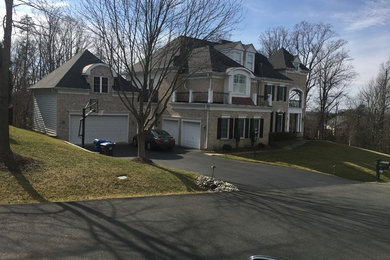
point(148, 146)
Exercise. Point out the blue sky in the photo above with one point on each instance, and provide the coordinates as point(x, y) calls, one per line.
point(364, 24)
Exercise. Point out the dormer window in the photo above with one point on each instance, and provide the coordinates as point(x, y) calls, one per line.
point(237, 57)
point(100, 84)
point(249, 61)
point(239, 84)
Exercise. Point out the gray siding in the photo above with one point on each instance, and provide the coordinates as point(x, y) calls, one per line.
point(45, 112)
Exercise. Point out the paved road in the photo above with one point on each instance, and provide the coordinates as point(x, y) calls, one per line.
point(306, 216)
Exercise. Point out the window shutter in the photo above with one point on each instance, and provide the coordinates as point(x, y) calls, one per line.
point(285, 94)
point(278, 97)
point(273, 93)
point(219, 128)
point(261, 127)
point(265, 92)
point(231, 128)
point(251, 127)
point(284, 120)
point(271, 124)
point(246, 127)
point(236, 128)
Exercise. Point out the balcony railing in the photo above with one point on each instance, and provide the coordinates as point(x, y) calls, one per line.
point(220, 98)
point(182, 96)
point(200, 97)
point(295, 103)
point(261, 101)
point(212, 97)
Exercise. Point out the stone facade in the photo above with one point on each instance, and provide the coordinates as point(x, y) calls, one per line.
point(72, 101)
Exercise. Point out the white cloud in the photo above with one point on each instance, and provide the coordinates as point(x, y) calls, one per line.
point(373, 13)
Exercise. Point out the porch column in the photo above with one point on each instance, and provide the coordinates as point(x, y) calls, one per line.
point(190, 96)
point(254, 98)
point(230, 97)
point(174, 96)
point(210, 97)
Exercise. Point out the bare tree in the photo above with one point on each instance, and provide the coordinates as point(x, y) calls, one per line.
point(334, 73)
point(6, 155)
point(311, 42)
point(274, 39)
point(376, 101)
point(152, 41)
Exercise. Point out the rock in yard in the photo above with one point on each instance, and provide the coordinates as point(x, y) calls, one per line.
point(211, 184)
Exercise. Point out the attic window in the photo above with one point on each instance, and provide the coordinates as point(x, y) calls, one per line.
point(100, 84)
point(237, 56)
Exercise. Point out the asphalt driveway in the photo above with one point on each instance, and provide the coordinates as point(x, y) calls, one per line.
point(247, 176)
point(286, 213)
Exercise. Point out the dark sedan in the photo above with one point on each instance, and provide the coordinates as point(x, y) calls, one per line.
point(157, 139)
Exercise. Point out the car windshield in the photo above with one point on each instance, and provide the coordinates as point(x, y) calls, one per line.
point(161, 133)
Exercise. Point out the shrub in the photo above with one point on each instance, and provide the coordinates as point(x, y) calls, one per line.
point(227, 147)
point(282, 136)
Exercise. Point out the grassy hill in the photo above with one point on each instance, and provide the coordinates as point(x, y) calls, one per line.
point(66, 173)
point(325, 157)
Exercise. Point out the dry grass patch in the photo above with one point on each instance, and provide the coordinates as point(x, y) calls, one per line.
point(65, 173)
point(325, 157)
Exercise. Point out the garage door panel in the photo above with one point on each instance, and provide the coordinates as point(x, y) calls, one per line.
point(109, 127)
point(172, 127)
point(190, 134)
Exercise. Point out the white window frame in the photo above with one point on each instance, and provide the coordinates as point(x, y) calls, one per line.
point(100, 84)
point(249, 57)
point(243, 129)
point(284, 93)
point(240, 85)
point(234, 53)
point(228, 127)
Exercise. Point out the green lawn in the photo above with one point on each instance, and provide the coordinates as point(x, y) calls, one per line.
point(325, 157)
point(66, 173)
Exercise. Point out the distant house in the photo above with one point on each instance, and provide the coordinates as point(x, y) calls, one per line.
point(60, 97)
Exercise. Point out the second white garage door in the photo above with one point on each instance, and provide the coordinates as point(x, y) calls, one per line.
point(171, 126)
point(109, 127)
point(190, 134)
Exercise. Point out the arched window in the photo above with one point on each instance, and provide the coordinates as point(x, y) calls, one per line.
point(295, 98)
point(239, 84)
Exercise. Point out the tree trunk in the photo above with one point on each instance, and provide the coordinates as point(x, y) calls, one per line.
point(5, 150)
point(141, 143)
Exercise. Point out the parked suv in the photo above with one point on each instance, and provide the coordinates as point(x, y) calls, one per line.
point(157, 139)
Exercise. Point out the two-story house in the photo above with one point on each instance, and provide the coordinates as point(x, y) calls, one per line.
point(60, 97)
point(235, 93)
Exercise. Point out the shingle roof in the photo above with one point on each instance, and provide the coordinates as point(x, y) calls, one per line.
point(282, 59)
point(221, 62)
point(69, 75)
point(263, 68)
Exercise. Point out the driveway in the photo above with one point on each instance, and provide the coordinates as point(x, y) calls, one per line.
point(286, 213)
point(248, 176)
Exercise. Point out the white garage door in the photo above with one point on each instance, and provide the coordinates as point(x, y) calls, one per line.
point(172, 127)
point(190, 134)
point(109, 127)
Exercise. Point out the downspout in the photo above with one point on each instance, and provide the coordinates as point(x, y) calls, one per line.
point(207, 107)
